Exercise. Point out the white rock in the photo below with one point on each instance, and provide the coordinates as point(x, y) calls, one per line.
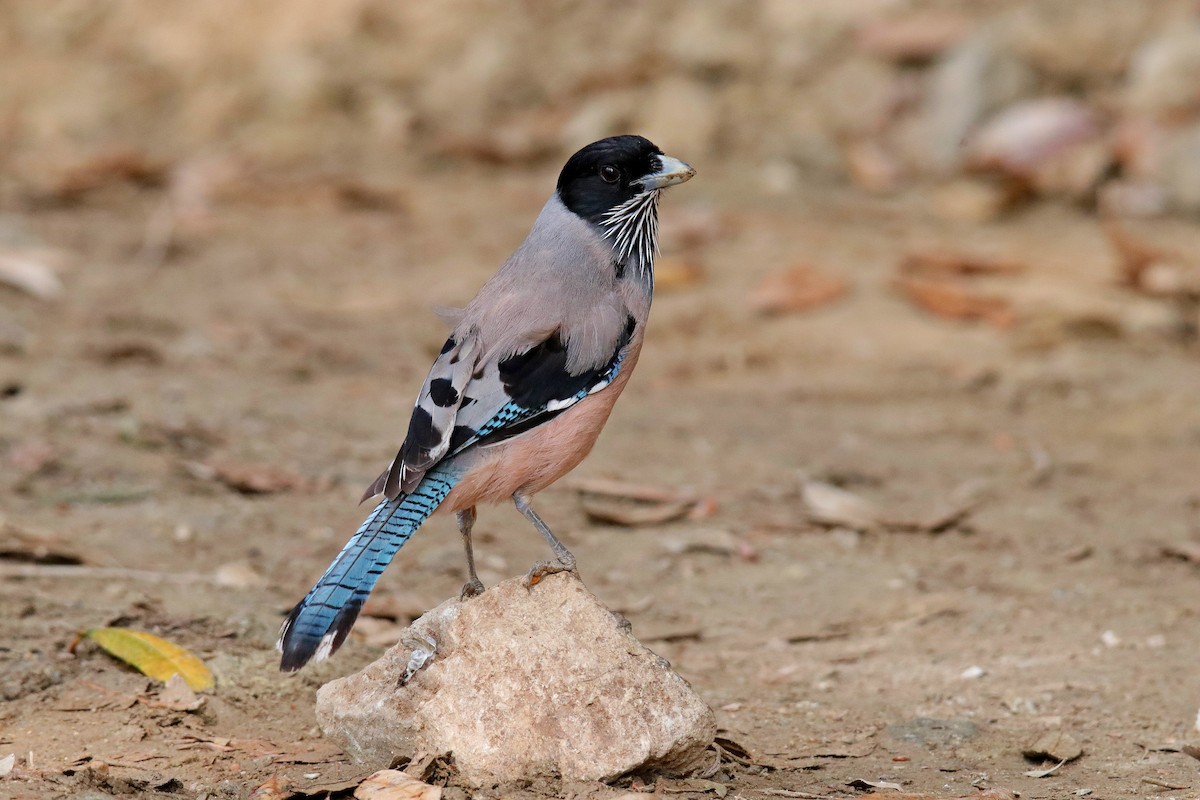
point(522, 683)
point(968, 83)
point(1164, 77)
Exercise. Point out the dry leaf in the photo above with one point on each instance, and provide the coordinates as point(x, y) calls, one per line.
point(955, 262)
point(178, 696)
point(799, 289)
point(952, 300)
point(274, 788)
point(702, 540)
point(121, 166)
point(130, 351)
point(1042, 773)
point(1186, 550)
point(26, 547)
point(1148, 268)
point(152, 656)
point(829, 505)
point(629, 490)
point(392, 784)
point(254, 478)
point(632, 516)
point(634, 504)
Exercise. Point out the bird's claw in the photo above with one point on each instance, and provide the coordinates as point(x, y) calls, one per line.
point(472, 588)
point(543, 568)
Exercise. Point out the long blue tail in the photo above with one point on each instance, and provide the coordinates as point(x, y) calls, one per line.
point(320, 622)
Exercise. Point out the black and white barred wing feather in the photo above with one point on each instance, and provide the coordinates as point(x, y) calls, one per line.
point(433, 417)
point(494, 402)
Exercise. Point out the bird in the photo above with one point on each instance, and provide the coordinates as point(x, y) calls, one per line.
point(522, 386)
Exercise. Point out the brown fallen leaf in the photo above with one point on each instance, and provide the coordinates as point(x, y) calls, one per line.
point(254, 478)
point(17, 544)
point(831, 505)
point(105, 169)
point(177, 696)
point(393, 784)
point(937, 261)
point(1186, 550)
point(274, 788)
point(358, 195)
point(130, 351)
point(633, 516)
point(702, 540)
point(1148, 268)
point(801, 288)
point(953, 300)
point(729, 750)
point(634, 504)
point(152, 656)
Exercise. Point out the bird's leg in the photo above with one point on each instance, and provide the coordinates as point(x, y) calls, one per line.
point(474, 586)
point(565, 560)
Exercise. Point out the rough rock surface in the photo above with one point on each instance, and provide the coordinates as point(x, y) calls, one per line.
point(522, 683)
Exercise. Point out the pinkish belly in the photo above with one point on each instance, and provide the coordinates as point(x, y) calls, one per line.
point(531, 462)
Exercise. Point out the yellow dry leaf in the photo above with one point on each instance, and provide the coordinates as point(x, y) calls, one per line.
point(392, 784)
point(153, 656)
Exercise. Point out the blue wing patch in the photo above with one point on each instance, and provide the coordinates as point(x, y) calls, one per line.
point(525, 390)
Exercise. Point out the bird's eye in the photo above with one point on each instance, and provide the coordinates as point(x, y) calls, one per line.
point(609, 173)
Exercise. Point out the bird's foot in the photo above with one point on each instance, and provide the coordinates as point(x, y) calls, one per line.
point(543, 568)
point(472, 588)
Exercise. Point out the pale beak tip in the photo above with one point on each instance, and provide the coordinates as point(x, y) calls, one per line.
point(672, 171)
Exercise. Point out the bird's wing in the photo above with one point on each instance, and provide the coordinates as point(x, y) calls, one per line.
point(433, 417)
point(471, 400)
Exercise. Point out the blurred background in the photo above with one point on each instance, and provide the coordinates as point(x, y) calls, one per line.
point(913, 436)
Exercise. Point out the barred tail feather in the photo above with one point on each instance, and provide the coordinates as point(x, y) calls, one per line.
point(320, 622)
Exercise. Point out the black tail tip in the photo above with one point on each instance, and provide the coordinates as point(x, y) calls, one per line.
point(298, 646)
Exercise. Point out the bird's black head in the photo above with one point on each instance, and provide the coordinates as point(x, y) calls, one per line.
point(606, 174)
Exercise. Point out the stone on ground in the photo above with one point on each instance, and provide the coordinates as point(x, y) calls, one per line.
point(522, 683)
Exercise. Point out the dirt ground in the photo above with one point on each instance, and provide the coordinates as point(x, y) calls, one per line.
point(286, 342)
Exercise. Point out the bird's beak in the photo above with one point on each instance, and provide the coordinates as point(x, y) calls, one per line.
point(671, 172)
